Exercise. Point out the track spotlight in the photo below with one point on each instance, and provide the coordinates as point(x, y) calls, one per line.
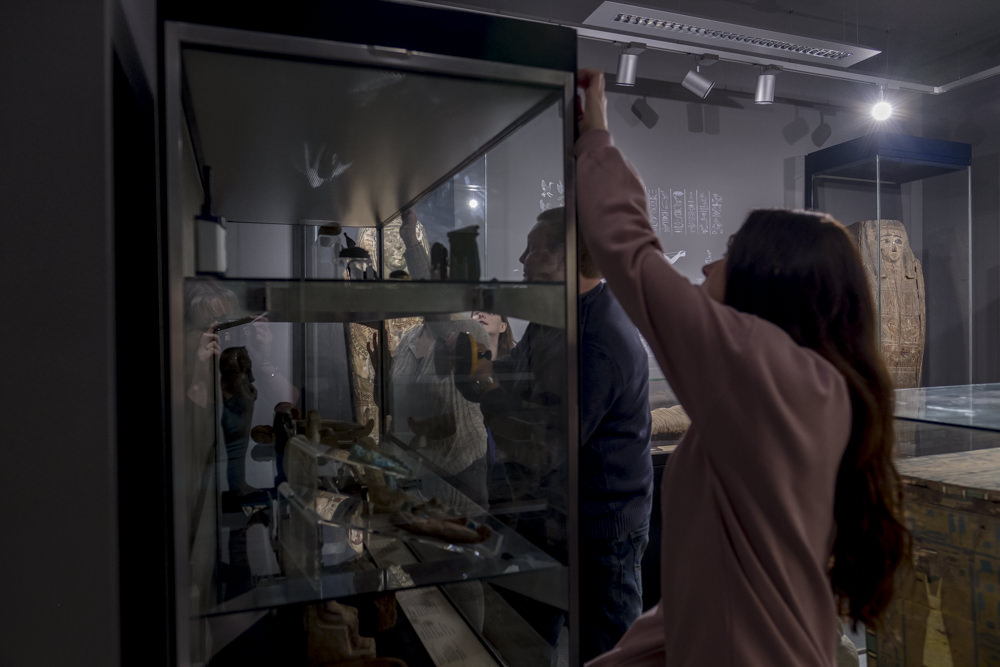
point(695, 82)
point(881, 110)
point(627, 62)
point(765, 86)
point(626, 69)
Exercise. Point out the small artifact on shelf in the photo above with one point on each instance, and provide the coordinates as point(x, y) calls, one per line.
point(385, 499)
point(283, 429)
point(433, 520)
point(336, 432)
point(451, 530)
point(335, 506)
point(367, 442)
point(464, 253)
point(435, 428)
point(262, 434)
point(287, 408)
point(384, 462)
point(312, 425)
point(331, 431)
point(333, 635)
point(387, 611)
point(439, 262)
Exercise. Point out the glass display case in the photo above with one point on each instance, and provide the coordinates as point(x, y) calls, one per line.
point(947, 607)
point(348, 191)
point(907, 202)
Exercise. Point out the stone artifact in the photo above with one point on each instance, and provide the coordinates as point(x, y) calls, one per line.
point(899, 292)
point(332, 630)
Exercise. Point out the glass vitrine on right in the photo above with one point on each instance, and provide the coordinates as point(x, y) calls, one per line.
point(906, 201)
point(946, 609)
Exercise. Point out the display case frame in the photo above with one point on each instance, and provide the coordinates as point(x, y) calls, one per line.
point(900, 185)
point(418, 39)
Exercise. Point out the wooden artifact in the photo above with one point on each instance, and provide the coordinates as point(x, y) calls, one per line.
point(669, 423)
point(898, 289)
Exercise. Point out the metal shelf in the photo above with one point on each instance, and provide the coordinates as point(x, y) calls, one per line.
point(361, 301)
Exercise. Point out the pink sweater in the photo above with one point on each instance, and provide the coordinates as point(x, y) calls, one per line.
point(748, 494)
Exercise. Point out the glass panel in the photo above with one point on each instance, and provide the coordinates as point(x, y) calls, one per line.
point(973, 406)
point(475, 225)
point(334, 141)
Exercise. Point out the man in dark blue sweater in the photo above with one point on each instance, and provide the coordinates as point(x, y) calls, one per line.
point(616, 471)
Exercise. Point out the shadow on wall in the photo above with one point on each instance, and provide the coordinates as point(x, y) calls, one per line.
point(796, 129)
point(645, 113)
point(703, 119)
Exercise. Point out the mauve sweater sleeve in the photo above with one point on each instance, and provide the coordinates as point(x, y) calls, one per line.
point(664, 305)
point(641, 645)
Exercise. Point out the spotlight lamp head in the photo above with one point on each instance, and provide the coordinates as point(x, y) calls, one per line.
point(695, 82)
point(765, 86)
point(628, 60)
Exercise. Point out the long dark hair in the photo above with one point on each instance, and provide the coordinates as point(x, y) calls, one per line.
point(505, 341)
point(802, 271)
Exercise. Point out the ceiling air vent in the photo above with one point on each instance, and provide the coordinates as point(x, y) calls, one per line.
point(716, 34)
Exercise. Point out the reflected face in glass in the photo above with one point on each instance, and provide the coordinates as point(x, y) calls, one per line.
point(492, 322)
point(540, 263)
point(892, 244)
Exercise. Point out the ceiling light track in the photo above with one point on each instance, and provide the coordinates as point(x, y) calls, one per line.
point(748, 59)
point(584, 32)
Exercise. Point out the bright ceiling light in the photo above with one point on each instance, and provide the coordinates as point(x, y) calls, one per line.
point(881, 110)
point(473, 203)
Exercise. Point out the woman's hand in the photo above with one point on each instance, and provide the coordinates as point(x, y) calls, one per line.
point(408, 228)
point(592, 114)
point(208, 345)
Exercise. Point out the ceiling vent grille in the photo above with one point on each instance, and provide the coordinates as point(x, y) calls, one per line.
point(693, 30)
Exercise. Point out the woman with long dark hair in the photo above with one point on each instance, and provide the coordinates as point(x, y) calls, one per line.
point(498, 329)
point(781, 505)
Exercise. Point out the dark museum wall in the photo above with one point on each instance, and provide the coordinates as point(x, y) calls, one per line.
point(61, 530)
point(969, 115)
point(62, 580)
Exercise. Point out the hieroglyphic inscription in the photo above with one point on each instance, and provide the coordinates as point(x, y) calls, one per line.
point(684, 211)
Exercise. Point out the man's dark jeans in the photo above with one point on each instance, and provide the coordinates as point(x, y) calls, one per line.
point(610, 590)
